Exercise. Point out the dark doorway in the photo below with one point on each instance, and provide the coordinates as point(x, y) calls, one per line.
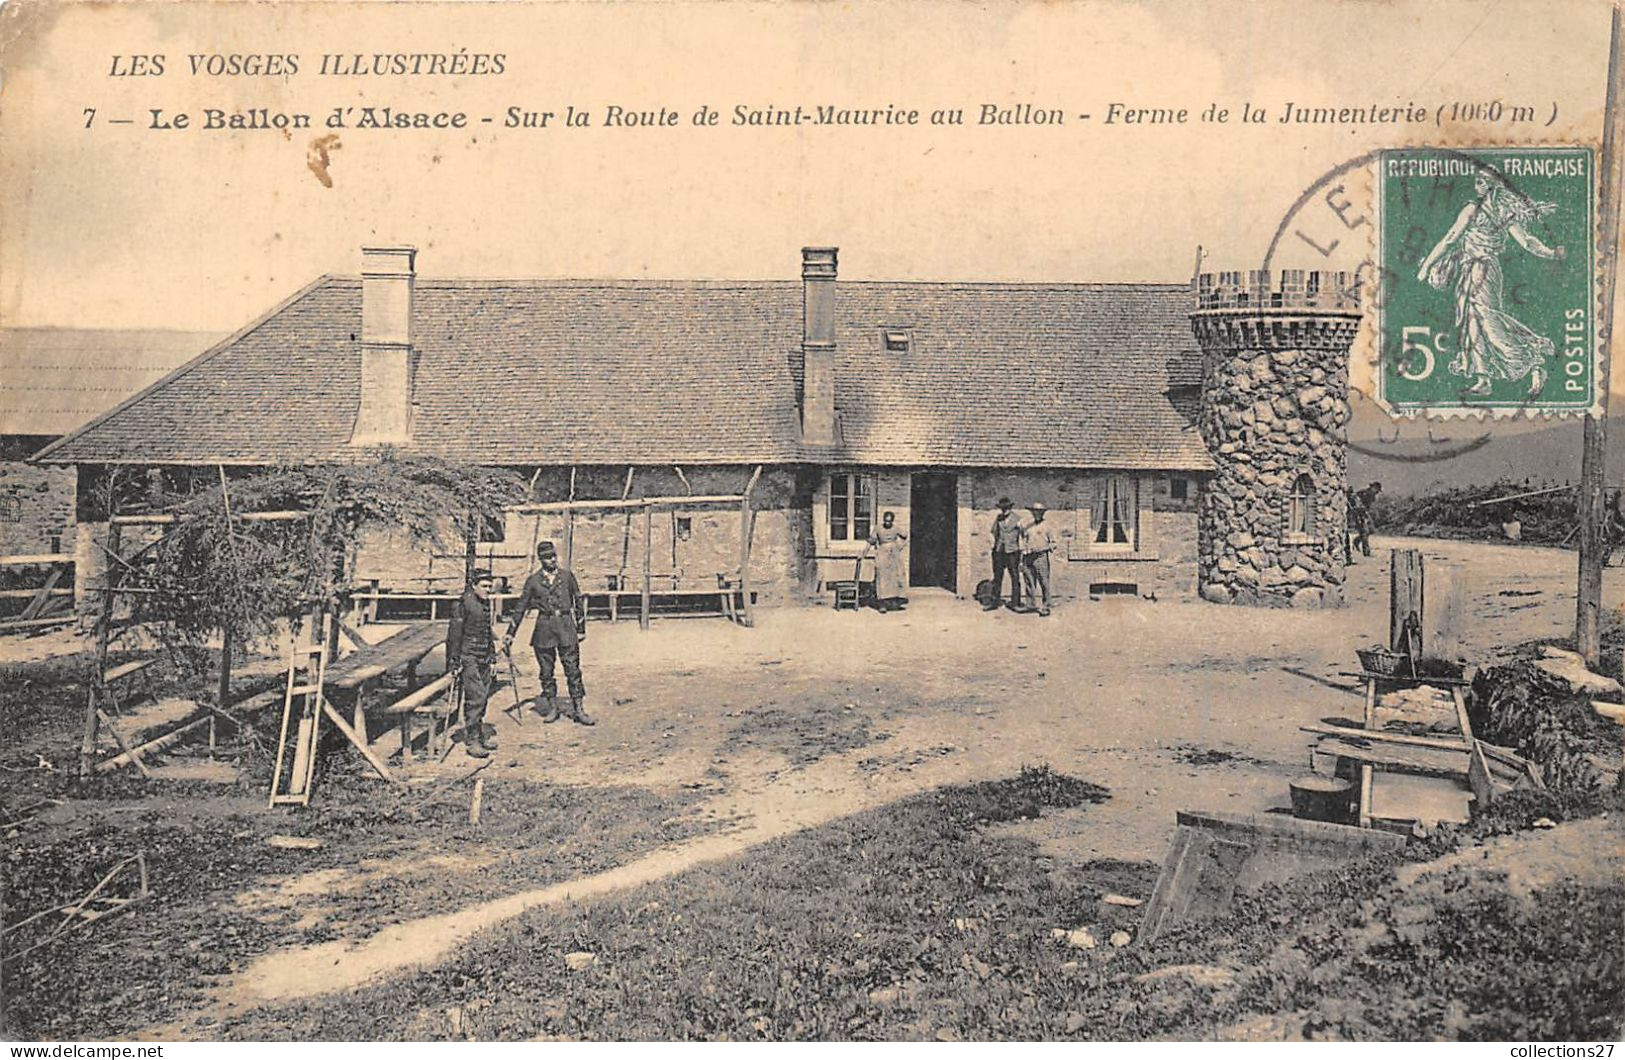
point(933, 541)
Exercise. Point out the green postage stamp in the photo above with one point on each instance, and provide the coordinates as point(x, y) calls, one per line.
point(1487, 272)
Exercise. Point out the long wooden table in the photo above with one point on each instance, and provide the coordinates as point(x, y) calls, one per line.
point(358, 672)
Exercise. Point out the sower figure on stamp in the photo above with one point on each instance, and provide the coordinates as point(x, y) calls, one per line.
point(470, 650)
point(1006, 555)
point(1037, 542)
point(561, 626)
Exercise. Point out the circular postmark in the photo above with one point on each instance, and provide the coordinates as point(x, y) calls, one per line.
point(1427, 229)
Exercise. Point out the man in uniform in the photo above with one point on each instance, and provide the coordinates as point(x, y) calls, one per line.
point(1037, 542)
point(561, 625)
point(469, 654)
point(1006, 555)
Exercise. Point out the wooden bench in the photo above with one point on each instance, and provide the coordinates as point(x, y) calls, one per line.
point(430, 703)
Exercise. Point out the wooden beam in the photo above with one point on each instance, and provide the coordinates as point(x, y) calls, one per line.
point(648, 550)
point(747, 528)
point(626, 490)
point(170, 518)
point(43, 559)
point(625, 503)
point(95, 695)
point(1441, 743)
point(569, 525)
point(682, 478)
point(1405, 594)
point(358, 741)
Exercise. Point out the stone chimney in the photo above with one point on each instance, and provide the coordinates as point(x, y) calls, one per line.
point(818, 345)
point(385, 413)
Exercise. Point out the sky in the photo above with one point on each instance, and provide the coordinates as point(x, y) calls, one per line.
point(130, 226)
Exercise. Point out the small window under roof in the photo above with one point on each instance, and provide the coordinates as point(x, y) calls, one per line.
point(896, 339)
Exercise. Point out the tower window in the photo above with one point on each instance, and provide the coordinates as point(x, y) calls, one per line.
point(1300, 507)
point(897, 340)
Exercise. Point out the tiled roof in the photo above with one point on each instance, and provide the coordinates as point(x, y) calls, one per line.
point(578, 372)
point(55, 379)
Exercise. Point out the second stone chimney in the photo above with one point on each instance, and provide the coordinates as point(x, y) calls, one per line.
point(387, 359)
point(818, 345)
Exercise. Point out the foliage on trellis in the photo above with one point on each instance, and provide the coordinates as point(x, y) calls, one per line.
point(215, 572)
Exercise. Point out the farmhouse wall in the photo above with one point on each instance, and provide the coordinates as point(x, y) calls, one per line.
point(36, 503)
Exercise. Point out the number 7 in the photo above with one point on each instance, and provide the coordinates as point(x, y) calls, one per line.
point(90, 116)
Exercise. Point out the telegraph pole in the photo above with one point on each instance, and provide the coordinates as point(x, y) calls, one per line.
point(1593, 515)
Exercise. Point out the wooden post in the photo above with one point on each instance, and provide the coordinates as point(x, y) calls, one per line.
point(747, 526)
point(1405, 595)
point(1593, 462)
point(222, 693)
point(97, 694)
point(648, 548)
point(569, 525)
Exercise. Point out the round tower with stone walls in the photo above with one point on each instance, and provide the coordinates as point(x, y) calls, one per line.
point(1273, 521)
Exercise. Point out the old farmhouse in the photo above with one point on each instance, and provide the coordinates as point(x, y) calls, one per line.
point(928, 400)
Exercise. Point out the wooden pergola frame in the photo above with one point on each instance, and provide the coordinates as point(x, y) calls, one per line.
point(647, 505)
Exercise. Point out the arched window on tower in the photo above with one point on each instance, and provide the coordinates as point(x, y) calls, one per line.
point(1300, 514)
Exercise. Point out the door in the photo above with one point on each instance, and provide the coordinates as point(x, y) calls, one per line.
point(933, 522)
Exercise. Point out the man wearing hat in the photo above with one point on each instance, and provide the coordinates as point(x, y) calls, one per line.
point(1006, 555)
point(1037, 542)
point(561, 625)
point(469, 654)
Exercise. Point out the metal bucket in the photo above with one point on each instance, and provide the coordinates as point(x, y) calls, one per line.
point(1329, 799)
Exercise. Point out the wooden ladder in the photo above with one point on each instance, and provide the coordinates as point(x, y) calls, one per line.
point(302, 703)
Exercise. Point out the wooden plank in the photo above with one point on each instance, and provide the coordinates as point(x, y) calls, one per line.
point(170, 518)
point(624, 503)
point(38, 596)
point(408, 703)
point(1458, 696)
point(1445, 619)
point(747, 529)
point(35, 623)
point(1405, 595)
point(374, 661)
point(1424, 761)
point(40, 559)
point(1365, 797)
point(1441, 742)
point(123, 670)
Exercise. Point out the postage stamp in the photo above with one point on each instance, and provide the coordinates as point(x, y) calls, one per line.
point(1486, 261)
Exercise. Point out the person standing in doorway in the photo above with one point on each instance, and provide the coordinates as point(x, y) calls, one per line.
point(886, 549)
point(470, 645)
point(1366, 508)
point(1037, 542)
point(561, 626)
point(1006, 555)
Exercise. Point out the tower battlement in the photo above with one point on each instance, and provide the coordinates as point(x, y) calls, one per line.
point(1294, 289)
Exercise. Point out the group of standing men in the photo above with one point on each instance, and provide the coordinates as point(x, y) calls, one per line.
point(1021, 546)
point(561, 625)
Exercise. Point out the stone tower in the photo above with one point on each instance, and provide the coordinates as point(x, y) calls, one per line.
point(1273, 521)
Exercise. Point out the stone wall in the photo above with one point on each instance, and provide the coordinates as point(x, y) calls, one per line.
point(36, 503)
point(1273, 520)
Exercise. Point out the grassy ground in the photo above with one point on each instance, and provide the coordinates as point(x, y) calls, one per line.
point(222, 895)
point(923, 921)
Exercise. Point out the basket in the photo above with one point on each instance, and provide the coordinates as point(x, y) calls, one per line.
point(1384, 663)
